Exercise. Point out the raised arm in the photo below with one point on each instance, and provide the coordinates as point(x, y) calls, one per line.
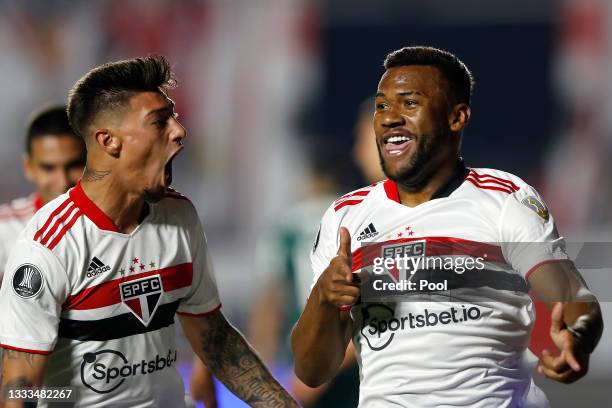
point(576, 325)
point(321, 335)
point(232, 360)
point(20, 370)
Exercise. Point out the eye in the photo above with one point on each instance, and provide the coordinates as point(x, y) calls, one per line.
point(381, 105)
point(409, 103)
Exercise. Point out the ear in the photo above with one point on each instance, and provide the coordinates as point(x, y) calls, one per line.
point(459, 117)
point(27, 164)
point(107, 141)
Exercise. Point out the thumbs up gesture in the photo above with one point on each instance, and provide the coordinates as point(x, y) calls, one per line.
point(338, 286)
point(573, 362)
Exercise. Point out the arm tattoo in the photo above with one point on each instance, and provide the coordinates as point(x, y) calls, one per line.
point(231, 359)
point(95, 175)
point(17, 355)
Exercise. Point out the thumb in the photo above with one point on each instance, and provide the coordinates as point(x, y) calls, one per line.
point(345, 243)
point(556, 318)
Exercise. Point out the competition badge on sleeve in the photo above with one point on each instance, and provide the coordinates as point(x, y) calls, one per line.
point(27, 281)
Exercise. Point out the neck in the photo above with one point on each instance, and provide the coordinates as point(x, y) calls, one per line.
point(412, 197)
point(122, 206)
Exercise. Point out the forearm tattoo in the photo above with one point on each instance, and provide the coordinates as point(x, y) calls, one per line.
point(230, 358)
point(19, 381)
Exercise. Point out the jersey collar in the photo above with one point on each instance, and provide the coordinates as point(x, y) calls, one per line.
point(445, 190)
point(38, 202)
point(91, 210)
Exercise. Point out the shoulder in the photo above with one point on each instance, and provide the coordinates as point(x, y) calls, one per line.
point(354, 198)
point(495, 180)
point(177, 206)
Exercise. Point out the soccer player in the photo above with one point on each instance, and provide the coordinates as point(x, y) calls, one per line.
point(465, 347)
point(53, 161)
point(98, 274)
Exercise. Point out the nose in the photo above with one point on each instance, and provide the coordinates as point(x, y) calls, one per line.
point(178, 133)
point(390, 119)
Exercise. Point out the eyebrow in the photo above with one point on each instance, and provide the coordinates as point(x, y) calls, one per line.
point(166, 109)
point(403, 93)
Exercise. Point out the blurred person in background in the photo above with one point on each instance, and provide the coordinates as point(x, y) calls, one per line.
point(53, 161)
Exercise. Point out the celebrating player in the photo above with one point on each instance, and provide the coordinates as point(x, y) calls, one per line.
point(53, 162)
point(466, 347)
point(97, 276)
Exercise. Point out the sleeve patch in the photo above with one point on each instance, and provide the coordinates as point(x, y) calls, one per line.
point(27, 281)
point(534, 204)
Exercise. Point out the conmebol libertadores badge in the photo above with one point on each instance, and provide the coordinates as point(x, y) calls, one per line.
point(27, 281)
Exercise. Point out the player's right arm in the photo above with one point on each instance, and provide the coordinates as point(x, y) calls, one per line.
point(20, 369)
point(323, 331)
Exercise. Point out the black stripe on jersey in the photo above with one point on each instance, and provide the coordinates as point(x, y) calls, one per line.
point(116, 327)
point(475, 278)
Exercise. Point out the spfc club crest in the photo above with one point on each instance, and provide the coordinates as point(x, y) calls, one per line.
point(142, 296)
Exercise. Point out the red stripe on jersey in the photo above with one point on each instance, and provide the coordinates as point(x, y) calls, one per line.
point(435, 246)
point(483, 178)
point(201, 314)
point(68, 225)
point(497, 187)
point(53, 215)
point(345, 203)
point(391, 190)
point(23, 350)
point(57, 224)
point(91, 210)
point(361, 193)
point(107, 293)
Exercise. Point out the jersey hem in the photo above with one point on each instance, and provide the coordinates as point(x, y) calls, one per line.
point(546, 261)
point(24, 350)
point(213, 310)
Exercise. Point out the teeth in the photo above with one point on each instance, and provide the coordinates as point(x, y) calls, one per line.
point(398, 139)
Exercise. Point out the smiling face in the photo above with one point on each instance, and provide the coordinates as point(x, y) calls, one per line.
point(150, 137)
point(411, 122)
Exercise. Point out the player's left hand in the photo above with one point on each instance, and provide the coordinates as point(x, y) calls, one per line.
point(573, 362)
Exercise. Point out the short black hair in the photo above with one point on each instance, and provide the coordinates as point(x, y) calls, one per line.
point(459, 77)
point(111, 85)
point(50, 120)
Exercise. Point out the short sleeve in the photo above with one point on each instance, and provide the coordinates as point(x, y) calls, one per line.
point(203, 297)
point(34, 288)
point(325, 246)
point(528, 233)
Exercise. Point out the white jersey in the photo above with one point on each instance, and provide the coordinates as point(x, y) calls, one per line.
point(463, 344)
point(101, 303)
point(13, 218)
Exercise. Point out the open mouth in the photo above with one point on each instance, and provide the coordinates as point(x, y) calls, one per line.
point(396, 145)
point(168, 173)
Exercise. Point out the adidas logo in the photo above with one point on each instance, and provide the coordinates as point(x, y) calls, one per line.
point(96, 267)
point(368, 232)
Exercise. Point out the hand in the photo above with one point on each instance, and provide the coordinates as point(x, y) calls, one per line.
point(338, 285)
point(573, 362)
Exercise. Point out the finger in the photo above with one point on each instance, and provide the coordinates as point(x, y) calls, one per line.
point(345, 243)
point(556, 317)
point(556, 364)
point(342, 289)
point(570, 358)
point(345, 300)
point(565, 376)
